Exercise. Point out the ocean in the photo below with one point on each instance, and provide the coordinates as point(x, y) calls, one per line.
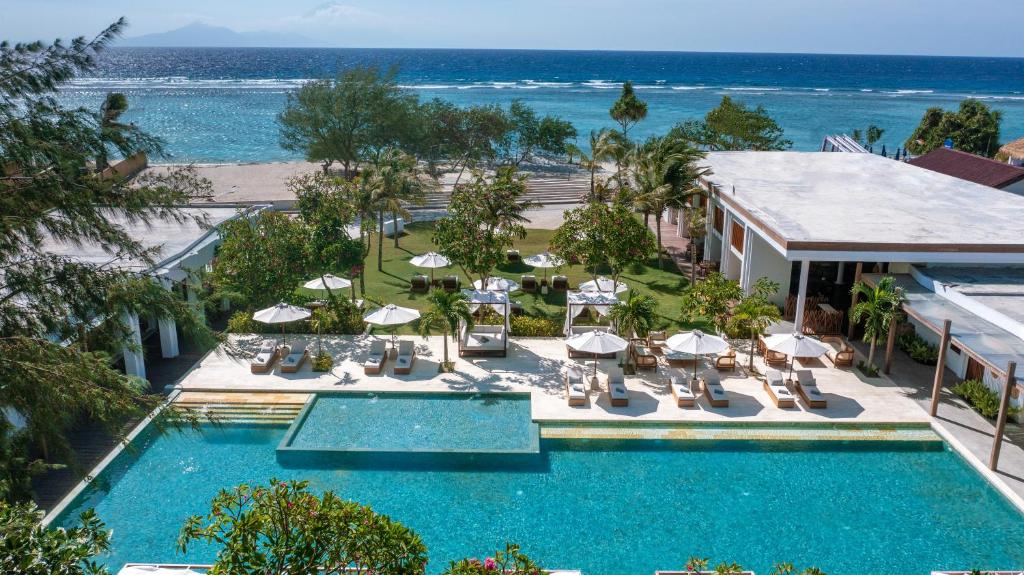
point(220, 105)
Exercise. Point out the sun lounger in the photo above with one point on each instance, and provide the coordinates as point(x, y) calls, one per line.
point(513, 256)
point(559, 283)
point(726, 361)
point(406, 357)
point(528, 283)
point(776, 389)
point(642, 356)
point(679, 358)
point(680, 385)
point(575, 386)
point(265, 358)
point(656, 340)
point(450, 283)
point(840, 352)
point(617, 392)
point(771, 357)
point(419, 284)
point(378, 355)
point(713, 390)
point(297, 355)
point(807, 387)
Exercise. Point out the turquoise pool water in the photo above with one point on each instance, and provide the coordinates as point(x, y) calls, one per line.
point(608, 508)
point(415, 422)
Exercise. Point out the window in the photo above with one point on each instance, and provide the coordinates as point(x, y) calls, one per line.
point(719, 220)
point(736, 239)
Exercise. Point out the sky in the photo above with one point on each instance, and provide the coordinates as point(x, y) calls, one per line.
point(928, 27)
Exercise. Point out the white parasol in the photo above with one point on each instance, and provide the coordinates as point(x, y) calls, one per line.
point(795, 345)
point(598, 343)
point(696, 343)
point(604, 285)
point(497, 284)
point(281, 313)
point(544, 261)
point(432, 260)
point(391, 316)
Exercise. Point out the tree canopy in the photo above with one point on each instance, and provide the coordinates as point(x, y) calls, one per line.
point(59, 316)
point(628, 110)
point(601, 236)
point(29, 548)
point(733, 126)
point(973, 128)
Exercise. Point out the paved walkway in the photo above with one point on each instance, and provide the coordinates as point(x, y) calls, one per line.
point(673, 245)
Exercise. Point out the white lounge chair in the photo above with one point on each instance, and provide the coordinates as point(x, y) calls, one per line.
point(406, 357)
point(265, 357)
point(617, 392)
point(807, 387)
point(775, 387)
point(297, 355)
point(713, 390)
point(378, 355)
point(680, 385)
point(575, 386)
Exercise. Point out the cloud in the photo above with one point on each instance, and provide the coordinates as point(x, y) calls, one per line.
point(336, 14)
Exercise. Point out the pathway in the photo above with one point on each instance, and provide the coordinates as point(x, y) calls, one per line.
point(674, 245)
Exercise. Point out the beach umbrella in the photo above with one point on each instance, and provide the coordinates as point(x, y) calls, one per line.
point(544, 261)
point(391, 316)
point(432, 260)
point(696, 343)
point(597, 342)
point(795, 345)
point(497, 284)
point(281, 313)
point(603, 284)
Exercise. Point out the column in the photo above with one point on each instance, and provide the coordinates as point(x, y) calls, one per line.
point(1004, 406)
point(134, 363)
point(709, 227)
point(723, 265)
point(168, 337)
point(193, 287)
point(747, 282)
point(801, 296)
point(839, 273)
point(681, 222)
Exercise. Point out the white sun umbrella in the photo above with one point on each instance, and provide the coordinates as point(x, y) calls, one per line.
point(597, 342)
point(696, 343)
point(391, 316)
point(327, 283)
point(795, 345)
point(281, 313)
point(432, 260)
point(495, 283)
point(604, 285)
point(544, 261)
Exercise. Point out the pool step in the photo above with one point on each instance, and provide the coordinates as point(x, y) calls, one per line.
point(914, 434)
point(245, 408)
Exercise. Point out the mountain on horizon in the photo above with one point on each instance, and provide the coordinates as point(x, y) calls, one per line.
point(200, 35)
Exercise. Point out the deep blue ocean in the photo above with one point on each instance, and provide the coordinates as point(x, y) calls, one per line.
point(219, 105)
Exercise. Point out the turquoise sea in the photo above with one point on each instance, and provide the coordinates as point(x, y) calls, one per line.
point(219, 105)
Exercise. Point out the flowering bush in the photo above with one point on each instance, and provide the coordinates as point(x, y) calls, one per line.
point(511, 561)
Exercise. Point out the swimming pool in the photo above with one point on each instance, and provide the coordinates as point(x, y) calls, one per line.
point(606, 507)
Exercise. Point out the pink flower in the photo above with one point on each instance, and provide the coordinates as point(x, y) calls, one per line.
point(489, 564)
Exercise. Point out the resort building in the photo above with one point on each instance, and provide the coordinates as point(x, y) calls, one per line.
point(815, 223)
point(182, 247)
point(973, 168)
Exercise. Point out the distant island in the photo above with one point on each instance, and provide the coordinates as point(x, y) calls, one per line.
point(201, 35)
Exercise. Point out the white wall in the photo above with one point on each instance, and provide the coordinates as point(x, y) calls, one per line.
point(766, 262)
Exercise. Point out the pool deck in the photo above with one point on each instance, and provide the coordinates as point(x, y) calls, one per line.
point(536, 365)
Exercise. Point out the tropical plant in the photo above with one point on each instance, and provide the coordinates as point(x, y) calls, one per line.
point(984, 400)
point(325, 205)
point(485, 217)
point(396, 181)
point(123, 138)
point(349, 119)
point(530, 134)
point(261, 260)
point(283, 528)
point(532, 326)
point(733, 126)
point(755, 312)
point(50, 302)
point(598, 235)
point(628, 110)
point(446, 311)
point(511, 561)
point(789, 569)
point(605, 145)
point(27, 547)
point(876, 307)
point(973, 128)
point(634, 316)
point(869, 137)
point(917, 347)
point(711, 299)
point(323, 362)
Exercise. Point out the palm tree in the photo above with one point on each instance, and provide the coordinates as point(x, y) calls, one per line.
point(396, 180)
point(877, 307)
point(605, 144)
point(446, 311)
point(754, 313)
point(634, 316)
point(695, 222)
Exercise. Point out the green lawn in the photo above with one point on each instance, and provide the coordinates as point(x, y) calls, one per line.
point(392, 284)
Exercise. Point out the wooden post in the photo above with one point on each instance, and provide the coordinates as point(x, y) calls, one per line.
point(853, 302)
point(890, 343)
point(1004, 405)
point(940, 365)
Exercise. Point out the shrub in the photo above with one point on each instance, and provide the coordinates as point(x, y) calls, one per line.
point(343, 319)
point(867, 369)
point(242, 322)
point(530, 326)
point(511, 561)
point(981, 398)
point(323, 362)
point(917, 347)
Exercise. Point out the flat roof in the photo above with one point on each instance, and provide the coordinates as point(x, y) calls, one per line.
point(167, 237)
point(1000, 289)
point(819, 201)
